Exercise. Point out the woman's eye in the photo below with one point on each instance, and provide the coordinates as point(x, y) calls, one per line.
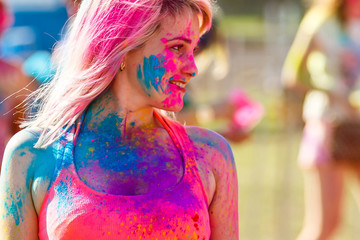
point(177, 47)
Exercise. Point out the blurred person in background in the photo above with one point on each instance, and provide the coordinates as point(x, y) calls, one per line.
point(14, 86)
point(100, 159)
point(323, 66)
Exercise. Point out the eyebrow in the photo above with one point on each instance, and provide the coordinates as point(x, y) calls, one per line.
point(180, 38)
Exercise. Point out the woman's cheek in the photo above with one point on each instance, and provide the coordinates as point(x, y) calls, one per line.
point(171, 62)
point(151, 73)
point(171, 65)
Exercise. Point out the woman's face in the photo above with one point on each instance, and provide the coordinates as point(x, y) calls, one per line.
point(160, 70)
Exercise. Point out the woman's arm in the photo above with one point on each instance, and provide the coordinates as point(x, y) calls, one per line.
point(214, 153)
point(18, 217)
point(223, 208)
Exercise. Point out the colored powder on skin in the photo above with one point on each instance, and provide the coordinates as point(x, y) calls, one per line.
point(169, 102)
point(114, 147)
point(152, 73)
point(14, 204)
point(192, 60)
point(164, 40)
point(110, 121)
point(39, 171)
point(171, 65)
point(171, 61)
point(124, 159)
point(15, 208)
point(223, 148)
point(100, 111)
point(121, 164)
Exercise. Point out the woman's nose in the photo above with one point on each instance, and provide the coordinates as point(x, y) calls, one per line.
point(190, 66)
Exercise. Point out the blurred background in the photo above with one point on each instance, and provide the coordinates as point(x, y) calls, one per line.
point(255, 36)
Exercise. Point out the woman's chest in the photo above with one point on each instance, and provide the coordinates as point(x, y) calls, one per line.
point(140, 165)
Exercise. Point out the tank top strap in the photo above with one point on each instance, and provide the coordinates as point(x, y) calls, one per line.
point(64, 148)
point(179, 136)
point(68, 141)
point(61, 148)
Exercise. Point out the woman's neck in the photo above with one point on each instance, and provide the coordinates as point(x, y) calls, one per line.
point(107, 114)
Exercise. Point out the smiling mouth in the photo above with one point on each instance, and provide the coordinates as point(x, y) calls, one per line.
point(182, 85)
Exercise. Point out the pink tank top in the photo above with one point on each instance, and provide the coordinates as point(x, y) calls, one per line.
point(71, 210)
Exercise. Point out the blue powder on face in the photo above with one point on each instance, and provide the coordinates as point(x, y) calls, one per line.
point(152, 74)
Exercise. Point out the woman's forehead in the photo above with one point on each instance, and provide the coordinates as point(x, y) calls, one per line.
point(185, 25)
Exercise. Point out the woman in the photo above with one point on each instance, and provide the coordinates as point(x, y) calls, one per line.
point(323, 65)
point(99, 160)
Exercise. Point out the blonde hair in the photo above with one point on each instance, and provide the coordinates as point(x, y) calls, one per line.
point(90, 56)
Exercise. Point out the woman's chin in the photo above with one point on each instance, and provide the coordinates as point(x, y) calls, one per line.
point(173, 108)
point(172, 105)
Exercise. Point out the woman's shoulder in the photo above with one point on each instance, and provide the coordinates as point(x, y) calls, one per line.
point(214, 160)
point(210, 146)
point(20, 150)
point(26, 174)
point(25, 139)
